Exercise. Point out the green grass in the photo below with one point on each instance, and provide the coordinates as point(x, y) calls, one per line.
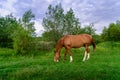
point(104, 64)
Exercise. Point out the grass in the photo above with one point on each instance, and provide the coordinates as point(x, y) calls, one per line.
point(104, 64)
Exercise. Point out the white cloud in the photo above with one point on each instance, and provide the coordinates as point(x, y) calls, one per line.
point(7, 7)
point(38, 26)
point(100, 12)
point(50, 1)
point(4, 12)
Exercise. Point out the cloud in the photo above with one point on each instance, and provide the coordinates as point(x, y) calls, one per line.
point(7, 7)
point(38, 26)
point(99, 12)
point(106, 10)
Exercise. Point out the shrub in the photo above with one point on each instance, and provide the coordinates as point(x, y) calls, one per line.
point(22, 42)
point(42, 45)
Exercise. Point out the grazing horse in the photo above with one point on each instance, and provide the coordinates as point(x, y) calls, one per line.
point(74, 41)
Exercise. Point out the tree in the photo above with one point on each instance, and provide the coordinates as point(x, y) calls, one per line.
point(89, 29)
point(53, 22)
point(21, 41)
point(23, 35)
point(7, 26)
point(57, 24)
point(27, 23)
point(112, 33)
point(104, 34)
point(72, 25)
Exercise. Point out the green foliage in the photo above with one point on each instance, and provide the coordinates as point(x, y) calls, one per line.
point(51, 36)
point(7, 26)
point(112, 33)
point(23, 35)
point(89, 29)
point(22, 41)
point(71, 24)
point(27, 16)
point(97, 39)
point(104, 34)
point(53, 22)
point(57, 24)
point(27, 23)
point(44, 46)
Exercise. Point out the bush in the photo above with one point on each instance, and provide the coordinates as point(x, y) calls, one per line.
point(42, 45)
point(97, 39)
point(22, 42)
point(25, 44)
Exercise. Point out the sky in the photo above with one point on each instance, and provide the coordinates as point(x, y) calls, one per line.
point(99, 12)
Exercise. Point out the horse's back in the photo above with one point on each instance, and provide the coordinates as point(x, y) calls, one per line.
point(77, 40)
point(85, 38)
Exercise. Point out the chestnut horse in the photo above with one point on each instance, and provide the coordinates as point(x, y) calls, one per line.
point(74, 41)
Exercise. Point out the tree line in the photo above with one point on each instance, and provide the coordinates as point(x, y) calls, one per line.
point(17, 33)
point(20, 35)
point(112, 32)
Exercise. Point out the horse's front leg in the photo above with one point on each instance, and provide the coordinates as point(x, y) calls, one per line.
point(88, 54)
point(71, 59)
point(68, 49)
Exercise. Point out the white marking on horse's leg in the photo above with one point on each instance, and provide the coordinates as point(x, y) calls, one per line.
point(57, 61)
point(54, 60)
point(71, 59)
point(88, 57)
point(85, 56)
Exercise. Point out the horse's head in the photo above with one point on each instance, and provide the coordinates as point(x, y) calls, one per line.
point(56, 56)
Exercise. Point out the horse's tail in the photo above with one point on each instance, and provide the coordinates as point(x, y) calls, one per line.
point(93, 44)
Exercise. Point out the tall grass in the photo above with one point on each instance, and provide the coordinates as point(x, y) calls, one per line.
point(104, 64)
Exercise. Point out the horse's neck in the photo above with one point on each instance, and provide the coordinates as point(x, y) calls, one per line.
point(59, 46)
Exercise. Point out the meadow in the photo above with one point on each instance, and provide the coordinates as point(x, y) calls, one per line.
point(104, 64)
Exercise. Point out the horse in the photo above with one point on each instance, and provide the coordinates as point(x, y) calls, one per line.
point(74, 41)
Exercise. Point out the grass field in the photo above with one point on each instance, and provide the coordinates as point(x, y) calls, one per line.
point(104, 64)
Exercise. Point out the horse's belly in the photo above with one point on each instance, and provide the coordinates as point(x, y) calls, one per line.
point(76, 45)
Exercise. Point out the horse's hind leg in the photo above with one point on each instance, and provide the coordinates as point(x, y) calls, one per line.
point(85, 56)
point(88, 53)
